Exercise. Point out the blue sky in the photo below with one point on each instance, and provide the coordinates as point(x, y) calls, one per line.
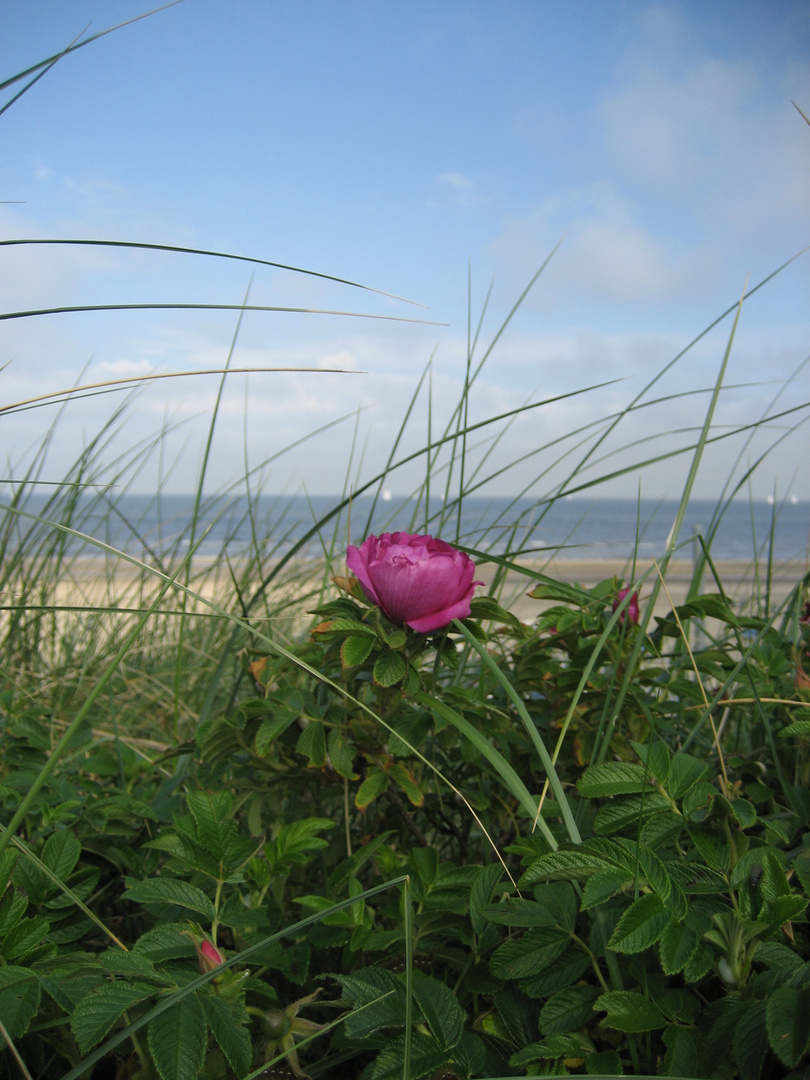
point(394, 145)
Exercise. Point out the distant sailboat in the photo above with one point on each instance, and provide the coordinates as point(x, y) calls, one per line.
point(386, 495)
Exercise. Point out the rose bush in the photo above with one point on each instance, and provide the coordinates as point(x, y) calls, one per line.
point(417, 580)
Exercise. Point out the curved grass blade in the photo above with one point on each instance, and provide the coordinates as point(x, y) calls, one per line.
point(212, 254)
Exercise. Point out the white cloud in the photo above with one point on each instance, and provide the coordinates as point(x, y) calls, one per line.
point(608, 252)
point(455, 180)
point(460, 189)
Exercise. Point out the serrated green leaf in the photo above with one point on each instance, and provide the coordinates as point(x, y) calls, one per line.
point(677, 945)
point(481, 892)
point(61, 853)
point(602, 885)
point(613, 778)
point(620, 813)
point(515, 911)
point(24, 938)
point(529, 955)
point(20, 993)
point(568, 1010)
point(657, 756)
point(227, 1019)
point(629, 1011)
point(641, 925)
point(341, 754)
point(171, 891)
point(684, 772)
point(213, 815)
point(750, 1041)
point(95, 1014)
point(426, 1057)
point(487, 607)
point(312, 744)
point(295, 841)
point(441, 1010)
point(576, 864)
point(355, 649)
point(384, 995)
point(7, 860)
point(798, 727)
point(177, 1040)
point(269, 731)
point(390, 668)
point(164, 942)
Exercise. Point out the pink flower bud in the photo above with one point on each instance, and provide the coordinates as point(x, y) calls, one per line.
point(417, 580)
point(632, 608)
point(209, 956)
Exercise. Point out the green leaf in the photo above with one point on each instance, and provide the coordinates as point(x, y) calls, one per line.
point(390, 668)
point(549, 589)
point(683, 773)
point(613, 778)
point(481, 892)
point(404, 778)
point(25, 938)
point(798, 727)
point(568, 1010)
point(19, 999)
point(7, 860)
point(605, 1063)
point(677, 946)
point(441, 1010)
point(341, 754)
point(683, 1054)
point(575, 864)
point(312, 744)
point(375, 783)
point(750, 1042)
point(384, 995)
point(96, 1013)
point(295, 842)
point(355, 649)
point(270, 730)
point(61, 853)
point(621, 813)
point(657, 756)
point(641, 925)
point(629, 1011)
point(487, 607)
point(177, 1040)
point(521, 958)
point(171, 891)
point(426, 1057)
point(213, 815)
point(787, 1014)
point(602, 885)
point(514, 911)
point(164, 942)
point(227, 1019)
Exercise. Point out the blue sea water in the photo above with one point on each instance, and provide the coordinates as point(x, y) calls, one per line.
point(575, 527)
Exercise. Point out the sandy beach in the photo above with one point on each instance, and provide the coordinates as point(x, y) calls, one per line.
point(90, 583)
point(737, 576)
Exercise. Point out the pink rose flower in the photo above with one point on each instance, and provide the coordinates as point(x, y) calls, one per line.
point(417, 580)
point(632, 608)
